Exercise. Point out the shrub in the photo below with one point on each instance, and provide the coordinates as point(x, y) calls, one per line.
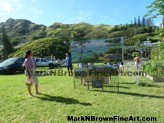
point(44, 47)
point(154, 68)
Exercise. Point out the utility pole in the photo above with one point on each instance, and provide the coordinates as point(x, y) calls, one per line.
point(159, 57)
point(122, 41)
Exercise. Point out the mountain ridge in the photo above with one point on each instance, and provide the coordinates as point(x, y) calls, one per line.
point(23, 31)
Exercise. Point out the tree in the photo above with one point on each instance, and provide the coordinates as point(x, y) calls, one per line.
point(81, 44)
point(139, 21)
point(135, 22)
point(156, 7)
point(149, 22)
point(143, 21)
point(7, 46)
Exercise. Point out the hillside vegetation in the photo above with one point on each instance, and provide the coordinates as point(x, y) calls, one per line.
point(35, 36)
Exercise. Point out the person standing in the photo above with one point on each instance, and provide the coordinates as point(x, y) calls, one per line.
point(30, 66)
point(127, 66)
point(69, 63)
point(121, 67)
point(137, 62)
point(83, 81)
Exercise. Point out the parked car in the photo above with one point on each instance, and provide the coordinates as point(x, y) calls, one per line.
point(61, 62)
point(42, 62)
point(11, 65)
point(144, 59)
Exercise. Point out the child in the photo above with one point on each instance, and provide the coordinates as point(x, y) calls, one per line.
point(122, 67)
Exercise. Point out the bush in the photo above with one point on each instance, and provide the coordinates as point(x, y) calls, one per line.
point(154, 68)
point(44, 47)
point(157, 52)
point(134, 54)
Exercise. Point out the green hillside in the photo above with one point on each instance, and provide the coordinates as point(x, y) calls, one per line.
point(43, 47)
point(34, 36)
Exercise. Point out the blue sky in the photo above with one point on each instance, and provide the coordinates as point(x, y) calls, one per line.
point(112, 12)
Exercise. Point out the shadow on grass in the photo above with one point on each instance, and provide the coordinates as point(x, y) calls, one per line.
point(61, 99)
point(146, 84)
point(122, 87)
point(127, 83)
point(143, 84)
point(110, 86)
point(141, 95)
point(134, 94)
point(9, 74)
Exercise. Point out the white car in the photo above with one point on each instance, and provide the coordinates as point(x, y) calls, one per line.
point(144, 59)
point(61, 62)
point(42, 62)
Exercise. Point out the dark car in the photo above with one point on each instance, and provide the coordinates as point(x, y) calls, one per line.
point(11, 65)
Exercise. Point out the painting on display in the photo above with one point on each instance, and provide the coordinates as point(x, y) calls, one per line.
point(91, 51)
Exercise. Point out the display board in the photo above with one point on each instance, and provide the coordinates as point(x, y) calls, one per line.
point(91, 51)
point(97, 83)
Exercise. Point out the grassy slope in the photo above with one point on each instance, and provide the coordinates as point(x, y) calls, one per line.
point(59, 100)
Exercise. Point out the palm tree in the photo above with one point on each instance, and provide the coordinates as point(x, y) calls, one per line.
point(115, 44)
point(81, 44)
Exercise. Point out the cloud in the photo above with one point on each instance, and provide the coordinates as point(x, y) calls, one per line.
point(82, 16)
point(36, 11)
point(5, 7)
point(9, 6)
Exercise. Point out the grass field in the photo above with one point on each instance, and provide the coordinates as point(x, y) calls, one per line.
point(59, 99)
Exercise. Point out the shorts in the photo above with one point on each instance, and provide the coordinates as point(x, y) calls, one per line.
point(121, 66)
point(69, 67)
point(33, 76)
point(137, 65)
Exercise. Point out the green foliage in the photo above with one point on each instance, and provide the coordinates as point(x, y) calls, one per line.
point(23, 29)
point(154, 68)
point(7, 46)
point(90, 59)
point(157, 52)
point(156, 7)
point(161, 33)
point(135, 34)
point(142, 22)
point(134, 54)
point(44, 47)
point(39, 35)
point(18, 28)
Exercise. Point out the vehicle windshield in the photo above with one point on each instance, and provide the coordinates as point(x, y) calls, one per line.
point(8, 62)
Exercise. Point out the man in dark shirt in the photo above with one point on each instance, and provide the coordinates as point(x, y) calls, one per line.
point(69, 63)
